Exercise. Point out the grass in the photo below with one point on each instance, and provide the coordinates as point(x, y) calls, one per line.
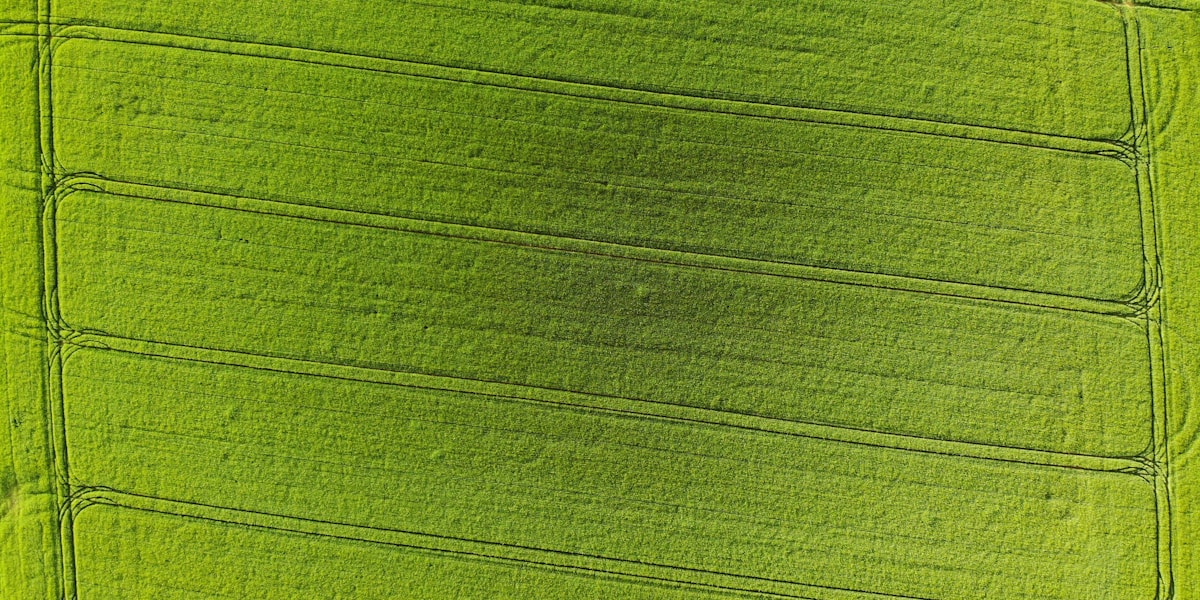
point(705, 497)
point(579, 299)
point(776, 347)
point(777, 189)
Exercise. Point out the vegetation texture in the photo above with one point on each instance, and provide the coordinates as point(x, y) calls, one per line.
point(558, 299)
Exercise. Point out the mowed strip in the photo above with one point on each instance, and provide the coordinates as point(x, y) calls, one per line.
point(764, 506)
point(1050, 66)
point(720, 184)
point(377, 296)
point(130, 553)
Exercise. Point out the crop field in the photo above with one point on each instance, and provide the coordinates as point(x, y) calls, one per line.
point(574, 299)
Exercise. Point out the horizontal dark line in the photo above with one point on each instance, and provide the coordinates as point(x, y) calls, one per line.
point(1133, 465)
point(1119, 308)
point(1114, 145)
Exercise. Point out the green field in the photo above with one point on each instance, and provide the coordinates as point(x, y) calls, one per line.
point(558, 299)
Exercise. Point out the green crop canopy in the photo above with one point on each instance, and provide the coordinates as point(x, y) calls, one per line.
point(599, 299)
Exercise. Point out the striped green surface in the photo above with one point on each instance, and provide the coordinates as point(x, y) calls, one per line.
point(593, 299)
